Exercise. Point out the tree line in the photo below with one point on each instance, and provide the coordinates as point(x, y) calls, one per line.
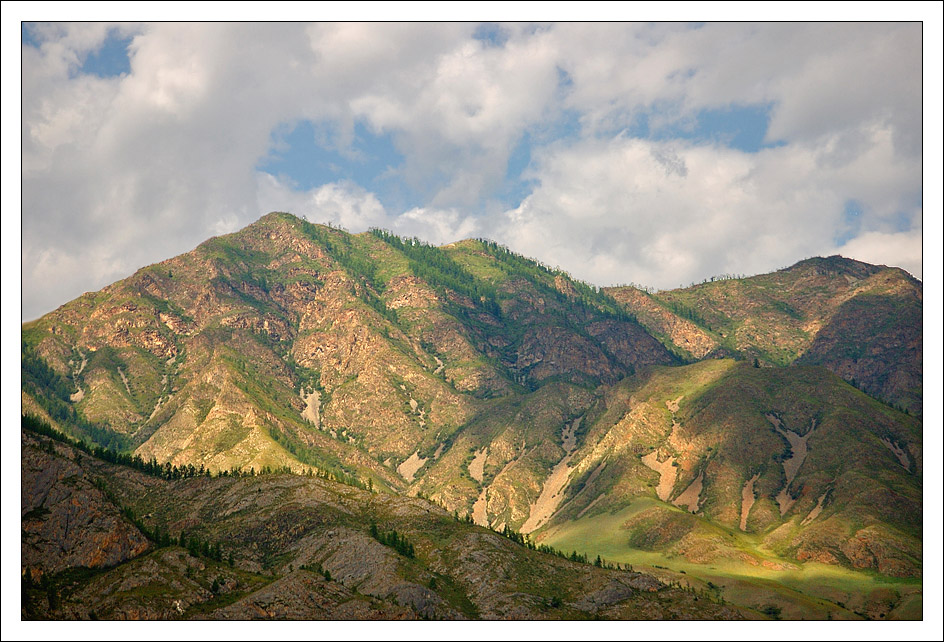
point(440, 271)
point(171, 472)
point(588, 296)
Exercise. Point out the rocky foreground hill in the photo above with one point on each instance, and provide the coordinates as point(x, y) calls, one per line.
point(770, 422)
point(283, 546)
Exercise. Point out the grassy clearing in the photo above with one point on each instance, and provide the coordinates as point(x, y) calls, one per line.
point(800, 590)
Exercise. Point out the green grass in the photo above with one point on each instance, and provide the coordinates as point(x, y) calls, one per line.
point(802, 590)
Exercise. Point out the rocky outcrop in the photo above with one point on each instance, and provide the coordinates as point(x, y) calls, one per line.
point(303, 595)
point(67, 521)
point(661, 321)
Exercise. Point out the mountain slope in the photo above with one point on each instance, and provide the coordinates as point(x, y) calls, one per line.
point(294, 344)
point(758, 451)
point(861, 321)
point(701, 438)
point(296, 547)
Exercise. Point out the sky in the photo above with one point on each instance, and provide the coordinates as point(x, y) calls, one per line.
point(658, 154)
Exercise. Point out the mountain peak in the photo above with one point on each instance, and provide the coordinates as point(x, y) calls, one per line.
point(836, 265)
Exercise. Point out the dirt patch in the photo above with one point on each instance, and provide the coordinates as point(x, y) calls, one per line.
point(125, 380)
point(479, 513)
point(157, 407)
point(899, 452)
point(408, 468)
point(673, 406)
point(747, 500)
point(816, 510)
point(785, 500)
point(312, 411)
point(79, 394)
point(550, 497)
point(439, 450)
point(439, 365)
point(667, 473)
point(553, 491)
point(477, 466)
point(586, 486)
point(690, 496)
point(798, 452)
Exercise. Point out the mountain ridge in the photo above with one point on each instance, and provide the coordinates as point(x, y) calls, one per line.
point(515, 396)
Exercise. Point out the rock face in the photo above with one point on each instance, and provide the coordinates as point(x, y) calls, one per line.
point(663, 322)
point(67, 521)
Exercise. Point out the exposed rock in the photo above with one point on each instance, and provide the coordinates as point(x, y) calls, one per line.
point(67, 522)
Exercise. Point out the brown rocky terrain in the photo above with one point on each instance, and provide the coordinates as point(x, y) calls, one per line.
point(301, 548)
point(662, 322)
point(67, 521)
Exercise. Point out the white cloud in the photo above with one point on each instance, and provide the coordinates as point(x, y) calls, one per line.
point(820, 78)
point(458, 116)
point(901, 249)
point(119, 172)
point(435, 226)
point(353, 208)
point(623, 210)
point(343, 204)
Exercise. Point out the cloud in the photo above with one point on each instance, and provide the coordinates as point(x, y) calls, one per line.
point(353, 208)
point(121, 171)
point(819, 77)
point(343, 204)
point(901, 249)
point(621, 210)
point(459, 116)
point(436, 226)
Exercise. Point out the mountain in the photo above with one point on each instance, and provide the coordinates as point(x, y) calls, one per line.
point(862, 322)
point(611, 422)
point(230, 354)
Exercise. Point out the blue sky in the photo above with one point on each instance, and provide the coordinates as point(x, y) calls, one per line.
point(658, 153)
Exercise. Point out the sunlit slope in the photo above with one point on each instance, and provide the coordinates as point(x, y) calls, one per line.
point(288, 343)
point(810, 466)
